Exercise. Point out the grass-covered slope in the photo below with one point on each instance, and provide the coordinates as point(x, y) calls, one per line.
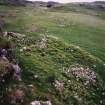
point(83, 30)
point(94, 9)
point(55, 61)
point(51, 68)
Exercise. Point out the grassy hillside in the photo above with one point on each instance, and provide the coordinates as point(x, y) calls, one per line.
point(76, 28)
point(54, 67)
point(56, 61)
point(94, 9)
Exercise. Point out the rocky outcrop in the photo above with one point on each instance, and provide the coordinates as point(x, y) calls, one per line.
point(9, 71)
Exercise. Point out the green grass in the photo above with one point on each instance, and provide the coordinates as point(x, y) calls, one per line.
point(65, 31)
point(49, 62)
point(81, 9)
point(83, 30)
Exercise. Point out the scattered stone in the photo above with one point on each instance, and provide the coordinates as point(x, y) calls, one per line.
point(48, 103)
point(15, 35)
point(86, 74)
point(42, 43)
point(35, 103)
point(17, 71)
point(59, 85)
point(81, 72)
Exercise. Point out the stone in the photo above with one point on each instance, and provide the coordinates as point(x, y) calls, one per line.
point(35, 103)
point(59, 85)
point(42, 43)
point(15, 35)
point(17, 71)
point(48, 103)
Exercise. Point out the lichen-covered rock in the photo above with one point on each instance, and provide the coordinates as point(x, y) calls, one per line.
point(59, 85)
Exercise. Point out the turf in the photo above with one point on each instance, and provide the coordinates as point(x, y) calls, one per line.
point(66, 32)
point(76, 28)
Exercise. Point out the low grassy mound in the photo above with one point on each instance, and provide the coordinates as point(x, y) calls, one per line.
point(61, 73)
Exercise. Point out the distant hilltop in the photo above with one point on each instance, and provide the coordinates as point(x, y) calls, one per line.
point(26, 2)
point(98, 5)
point(13, 2)
point(93, 5)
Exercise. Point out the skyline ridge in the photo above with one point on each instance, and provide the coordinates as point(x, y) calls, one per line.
point(68, 1)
